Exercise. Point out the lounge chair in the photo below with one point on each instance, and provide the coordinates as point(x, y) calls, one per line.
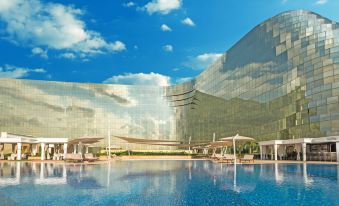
point(12, 157)
point(57, 156)
point(24, 157)
point(73, 157)
point(247, 158)
point(227, 158)
point(90, 157)
point(218, 156)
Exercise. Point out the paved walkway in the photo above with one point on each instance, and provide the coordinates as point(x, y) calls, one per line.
point(282, 162)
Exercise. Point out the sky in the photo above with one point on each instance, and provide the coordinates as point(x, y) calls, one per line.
point(148, 42)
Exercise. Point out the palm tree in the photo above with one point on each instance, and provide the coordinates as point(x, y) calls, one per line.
point(251, 146)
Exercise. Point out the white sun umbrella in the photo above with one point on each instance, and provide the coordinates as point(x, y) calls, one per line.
point(237, 137)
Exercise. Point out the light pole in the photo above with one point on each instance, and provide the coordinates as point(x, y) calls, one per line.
point(109, 139)
point(65, 116)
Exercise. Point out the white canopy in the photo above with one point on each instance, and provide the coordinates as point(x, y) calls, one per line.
point(237, 137)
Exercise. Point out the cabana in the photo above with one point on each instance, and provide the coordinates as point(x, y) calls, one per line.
point(58, 145)
point(318, 149)
point(46, 145)
point(16, 141)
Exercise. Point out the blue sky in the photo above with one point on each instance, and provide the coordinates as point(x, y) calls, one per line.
point(158, 42)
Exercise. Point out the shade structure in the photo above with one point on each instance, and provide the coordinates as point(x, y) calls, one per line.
point(220, 144)
point(237, 137)
point(159, 142)
point(85, 140)
point(138, 140)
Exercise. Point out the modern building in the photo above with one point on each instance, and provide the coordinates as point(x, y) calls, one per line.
point(279, 82)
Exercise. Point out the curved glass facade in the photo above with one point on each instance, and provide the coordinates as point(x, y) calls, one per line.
point(280, 81)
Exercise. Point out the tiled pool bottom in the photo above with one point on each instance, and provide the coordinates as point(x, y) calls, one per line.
point(166, 182)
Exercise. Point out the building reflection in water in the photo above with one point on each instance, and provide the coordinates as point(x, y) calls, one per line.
point(308, 180)
point(167, 176)
point(15, 173)
point(279, 178)
point(231, 176)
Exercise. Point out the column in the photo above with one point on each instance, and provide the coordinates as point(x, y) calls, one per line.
point(74, 149)
point(43, 151)
point(65, 149)
point(47, 149)
point(275, 152)
point(261, 156)
point(303, 146)
point(35, 149)
point(2, 146)
point(19, 151)
point(337, 149)
point(13, 148)
point(80, 148)
point(86, 149)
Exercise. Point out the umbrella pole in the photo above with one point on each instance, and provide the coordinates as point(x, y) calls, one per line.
point(235, 156)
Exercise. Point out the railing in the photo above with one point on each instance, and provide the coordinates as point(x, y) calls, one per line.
point(322, 156)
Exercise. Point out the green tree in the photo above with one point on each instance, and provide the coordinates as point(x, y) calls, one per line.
point(251, 147)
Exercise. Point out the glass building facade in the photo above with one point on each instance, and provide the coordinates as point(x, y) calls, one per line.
point(280, 81)
point(72, 110)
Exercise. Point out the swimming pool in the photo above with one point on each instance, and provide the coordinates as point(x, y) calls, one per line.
point(168, 182)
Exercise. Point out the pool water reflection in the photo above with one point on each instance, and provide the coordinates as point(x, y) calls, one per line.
point(168, 183)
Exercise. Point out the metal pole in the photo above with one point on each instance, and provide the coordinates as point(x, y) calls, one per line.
point(109, 140)
point(235, 156)
point(189, 143)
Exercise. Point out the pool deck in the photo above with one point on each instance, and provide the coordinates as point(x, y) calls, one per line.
point(127, 158)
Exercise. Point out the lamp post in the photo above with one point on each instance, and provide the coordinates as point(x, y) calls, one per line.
point(109, 139)
point(189, 143)
point(65, 116)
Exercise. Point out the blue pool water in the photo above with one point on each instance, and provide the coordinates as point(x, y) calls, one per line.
point(168, 183)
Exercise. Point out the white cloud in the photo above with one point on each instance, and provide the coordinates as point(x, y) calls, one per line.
point(168, 48)
point(321, 2)
point(208, 57)
point(284, 1)
point(202, 61)
point(183, 80)
point(52, 25)
point(139, 79)
point(164, 27)
point(38, 70)
point(68, 55)
point(117, 46)
point(40, 52)
point(188, 22)
point(129, 4)
point(162, 6)
point(10, 71)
